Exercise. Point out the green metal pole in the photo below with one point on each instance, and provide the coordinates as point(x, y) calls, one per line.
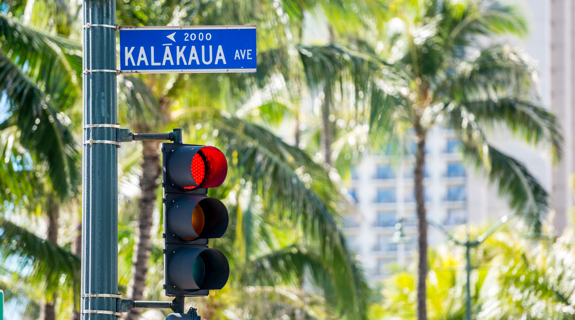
point(1, 304)
point(468, 275)
point(100, 163)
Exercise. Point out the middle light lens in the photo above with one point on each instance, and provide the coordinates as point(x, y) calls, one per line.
point(198, 220)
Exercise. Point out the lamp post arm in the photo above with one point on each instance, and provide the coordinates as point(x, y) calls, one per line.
point(447, 233)
point(496, 226)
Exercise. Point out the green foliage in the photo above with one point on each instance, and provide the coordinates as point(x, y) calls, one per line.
point(36, 260)
point(513, 277)
point(38, 78)
point(438, 74)
point(39, 81)
point(291, 187)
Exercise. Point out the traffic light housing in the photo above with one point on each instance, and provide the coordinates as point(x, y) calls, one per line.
point(191, 218)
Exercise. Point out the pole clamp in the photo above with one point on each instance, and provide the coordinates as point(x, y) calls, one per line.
point(91, 142)
point(101, 70)
point(101, 295)
point(111, 313)
point(110, 26)
point(116, 126)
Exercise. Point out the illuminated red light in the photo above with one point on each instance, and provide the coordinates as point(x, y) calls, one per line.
point(217, 167)
point(198, 169)
point(209, 168)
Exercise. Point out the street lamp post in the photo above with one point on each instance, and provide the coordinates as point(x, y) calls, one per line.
point(468, 244)
point(399, 237)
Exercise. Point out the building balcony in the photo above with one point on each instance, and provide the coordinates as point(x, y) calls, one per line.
point(384, 224)
point(390, 248)
point(455, 221)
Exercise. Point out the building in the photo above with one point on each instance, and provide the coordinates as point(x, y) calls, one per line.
point(455, 194)
point(383, 189)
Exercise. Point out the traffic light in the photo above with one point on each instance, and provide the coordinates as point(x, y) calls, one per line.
point(191, 218)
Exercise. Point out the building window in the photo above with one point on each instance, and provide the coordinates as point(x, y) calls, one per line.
point(410, 220)
point(384, 245)
point(353, 194)
point(408, 172)
point(452, 145)
point(456, 193)
point(386, 195)
point(350, 221)
point(410, 194)
point(386, 219)
point(410, 246)
point(455, 217)
point(455, 169)
point(413, 148)
point(385, 172)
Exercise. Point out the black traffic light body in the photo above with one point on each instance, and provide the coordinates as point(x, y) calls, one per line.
point(191, 268)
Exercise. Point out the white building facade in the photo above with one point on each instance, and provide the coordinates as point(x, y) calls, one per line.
point(455, 193)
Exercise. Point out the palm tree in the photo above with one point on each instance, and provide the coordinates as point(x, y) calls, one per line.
point(439, 74)
point(153, 97)
point(516, 277)
point(39, 78)
point(445, 295)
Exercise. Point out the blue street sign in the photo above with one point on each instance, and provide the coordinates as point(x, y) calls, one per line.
point(202, 49)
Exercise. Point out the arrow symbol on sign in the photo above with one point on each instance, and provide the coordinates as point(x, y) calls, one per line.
point(171, 36)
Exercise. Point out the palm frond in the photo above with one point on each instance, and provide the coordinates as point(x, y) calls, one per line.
point(292, 264)
point(42, 128)
point(138, 99)
point(494, 17)
point(497, 88)
point(274, 302)
point(524, 194)
point(54, 63)
point(293, 186)
point(17, 177)
point(326, 66)
point(533, 123)
point(53, 14)
point(37, 260)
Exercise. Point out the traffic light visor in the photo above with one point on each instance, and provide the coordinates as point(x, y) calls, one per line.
point(195, 217)
point(192, 167)
point(194, 269)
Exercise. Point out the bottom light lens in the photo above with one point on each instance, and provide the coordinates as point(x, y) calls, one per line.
point(199, 270)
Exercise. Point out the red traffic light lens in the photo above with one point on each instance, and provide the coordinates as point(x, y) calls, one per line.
point(198, 169)
point(216, 167)
point(207, 167)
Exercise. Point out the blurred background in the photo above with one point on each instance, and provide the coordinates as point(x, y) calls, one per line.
point(390, 159)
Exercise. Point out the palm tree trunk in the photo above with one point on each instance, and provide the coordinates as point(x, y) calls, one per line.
point(421, 225)
point(326, 109)
point(297, 126)
point(148, 184)
point(53, 211)
point(77, 250)
point(326, 125)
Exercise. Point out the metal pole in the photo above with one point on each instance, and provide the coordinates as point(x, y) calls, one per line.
point(100, 163)
point(468, 275)
point(468, 245)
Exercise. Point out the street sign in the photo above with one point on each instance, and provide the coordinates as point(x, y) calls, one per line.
point(201, 49)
